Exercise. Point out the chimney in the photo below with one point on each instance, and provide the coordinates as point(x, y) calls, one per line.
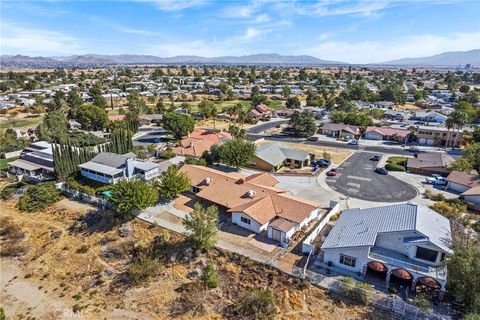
point(207, 180)
point(129, 167)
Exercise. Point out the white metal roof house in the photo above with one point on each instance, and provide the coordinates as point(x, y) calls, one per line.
point(406, 241)
point(35, 163)
point(110, 168)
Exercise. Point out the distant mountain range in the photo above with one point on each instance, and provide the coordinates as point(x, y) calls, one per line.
point(448, 59)
point(97, 59)
point(453, 58)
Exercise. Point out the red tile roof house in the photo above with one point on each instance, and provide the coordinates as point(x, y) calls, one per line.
point(260, 111)
point(379, 133)
point(200, 140)
point(252, 202)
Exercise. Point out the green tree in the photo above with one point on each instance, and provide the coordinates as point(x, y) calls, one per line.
point(160, 107)
point(303, 123)
point(135, 103)
point(38, 197)
point(202, 225)
point(74, 100)
point(464, 273)
point(59, 102)
point(464, 88)
point(53, 127)
point(237, 152)
point(92, 117)
point(131, 195)
point(95, 93)
point(286, 91)
point(209, 277)
point(293, 103)
point(121, 141)
point(179, 124)
point(470, 159)
point(173, 183)
point(476, 135)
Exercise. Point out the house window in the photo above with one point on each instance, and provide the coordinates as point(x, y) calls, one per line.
point(348, 261)
point(245, 220)
point(426, 254)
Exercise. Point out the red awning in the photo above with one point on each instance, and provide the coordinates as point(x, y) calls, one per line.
point(429, 282)
point(377, 266)
point(402, 274)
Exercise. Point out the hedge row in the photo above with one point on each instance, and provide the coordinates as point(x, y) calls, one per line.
point(394, 167)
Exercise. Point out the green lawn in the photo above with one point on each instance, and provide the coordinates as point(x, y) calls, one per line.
point(4, 163)
point(398, 160)
point(20, 122)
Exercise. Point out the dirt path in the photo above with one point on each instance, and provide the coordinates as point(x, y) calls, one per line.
point(28, 297)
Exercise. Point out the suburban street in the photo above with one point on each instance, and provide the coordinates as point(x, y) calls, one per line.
point(356, 178)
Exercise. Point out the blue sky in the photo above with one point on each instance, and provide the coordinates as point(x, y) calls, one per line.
point(351, 31)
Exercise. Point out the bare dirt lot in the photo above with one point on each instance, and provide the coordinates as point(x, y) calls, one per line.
point(73, 258)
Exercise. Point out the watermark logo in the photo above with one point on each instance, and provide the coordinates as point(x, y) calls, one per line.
point(66, 313)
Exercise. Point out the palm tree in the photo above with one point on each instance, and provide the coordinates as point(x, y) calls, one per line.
point(458, 119)
point(449, 123)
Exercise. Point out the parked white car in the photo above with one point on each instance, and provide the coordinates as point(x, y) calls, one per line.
point(353, 142)
point(436, 179)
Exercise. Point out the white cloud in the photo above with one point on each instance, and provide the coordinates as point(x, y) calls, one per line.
point(16, 39)
point(137, 31)
point(412, 46)
point(262, 18)
point(175, 5)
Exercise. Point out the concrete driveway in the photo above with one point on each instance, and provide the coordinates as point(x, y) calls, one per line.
point(357, 179)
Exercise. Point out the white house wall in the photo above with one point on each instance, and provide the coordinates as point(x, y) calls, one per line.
point(373, 136)
point(253, 226)
point(473, 199)
point(360, 253)
point(457, 187)
point(394, 241)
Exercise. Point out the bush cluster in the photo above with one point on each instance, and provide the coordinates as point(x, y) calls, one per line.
point(39, 197)
point(394, 167)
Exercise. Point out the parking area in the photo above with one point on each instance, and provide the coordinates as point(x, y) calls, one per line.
point(356, 178)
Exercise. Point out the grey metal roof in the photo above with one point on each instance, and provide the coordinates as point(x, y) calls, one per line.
point(276, 153)
point(360, 227)
point(271, 153)
point(100, 168)
point(145, 165)
point(295, 154)
point(110, 159)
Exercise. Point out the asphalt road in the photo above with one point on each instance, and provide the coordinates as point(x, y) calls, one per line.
point(357, 179)
point(339, 144)
point(265, 126)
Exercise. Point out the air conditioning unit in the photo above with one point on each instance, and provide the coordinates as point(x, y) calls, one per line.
point(251, 194)
point(207, 180)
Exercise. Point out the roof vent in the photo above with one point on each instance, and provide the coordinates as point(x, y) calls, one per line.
point(251, 194)
point(241, 181)
point(207, 180)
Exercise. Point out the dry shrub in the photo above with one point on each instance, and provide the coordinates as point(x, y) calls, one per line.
point(11, 236)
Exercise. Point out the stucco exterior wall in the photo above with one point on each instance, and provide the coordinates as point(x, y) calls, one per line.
point(253, 226)
point(373, 136)
point(360, 253)
point(457, 187)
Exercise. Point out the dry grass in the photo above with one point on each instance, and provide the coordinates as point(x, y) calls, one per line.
point(93, 280)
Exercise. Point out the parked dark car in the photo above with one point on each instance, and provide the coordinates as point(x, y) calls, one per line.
point(323, 163)
point(312, 138)
point(381, 171)
point(375, 158)
point(332, 172)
